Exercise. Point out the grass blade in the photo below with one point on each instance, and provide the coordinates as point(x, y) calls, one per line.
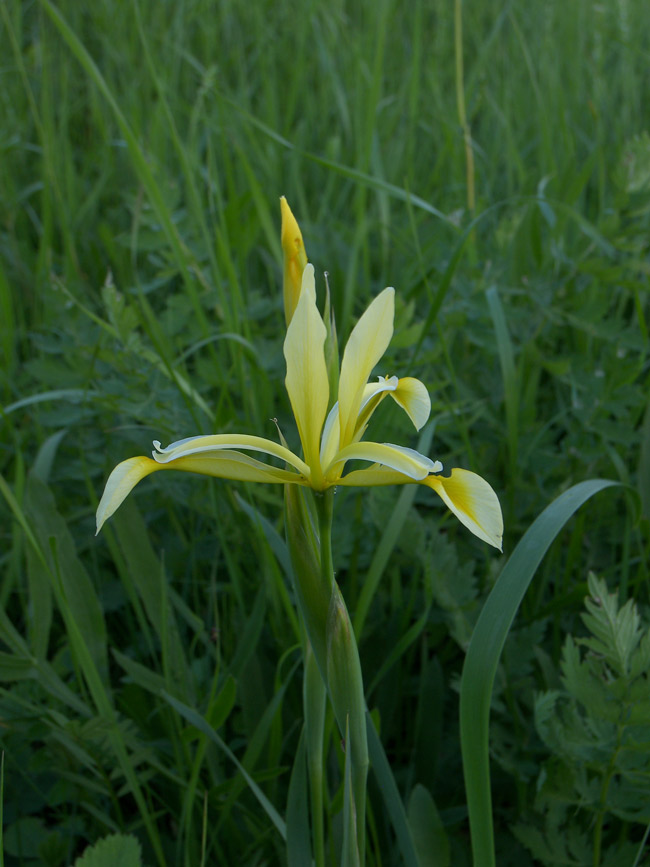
point(298, 838)
point(203, 726)
point(391, 796)
point(350, 854)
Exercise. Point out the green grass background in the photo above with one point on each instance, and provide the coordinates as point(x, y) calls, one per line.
point(143, 150)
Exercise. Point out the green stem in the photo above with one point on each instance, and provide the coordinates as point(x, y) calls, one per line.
point(602, 807)
point(344, 678)
point(325, 510)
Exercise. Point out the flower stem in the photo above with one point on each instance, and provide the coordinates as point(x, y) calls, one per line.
point(344, 678)
point(325, 510)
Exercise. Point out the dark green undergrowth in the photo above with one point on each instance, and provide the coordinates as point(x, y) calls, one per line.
point(143, 152)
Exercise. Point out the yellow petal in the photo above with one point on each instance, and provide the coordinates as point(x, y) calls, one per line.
point(409, 393)
point(306, 379)
point(466, 494)
point(372, 396)
point(330, 438)
point(473, 502)
point(406, 461)
point(367, 343)
point(233, 465)
point(120, 483)
point(295, 259)
point(214, 442)
point(218, 462)
point(413, 397)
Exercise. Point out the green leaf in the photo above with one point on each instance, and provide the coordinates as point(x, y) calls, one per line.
point(61, 560)
point(484, 652)
point(298, 833)
point(147, 575)
point(222, 704)
point(616, 633)
point(350, 853)
point(24, 837)
point(15, 667)
point(391, 797)
point(122, 849)
point(429, 835)
point(203, 726)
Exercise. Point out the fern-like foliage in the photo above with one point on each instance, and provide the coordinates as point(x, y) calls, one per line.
point(116, 850)
point(594, 791)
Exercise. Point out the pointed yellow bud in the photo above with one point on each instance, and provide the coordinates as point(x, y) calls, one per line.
point(295, 259)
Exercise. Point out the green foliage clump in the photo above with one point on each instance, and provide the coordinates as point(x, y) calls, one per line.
point(594, 791)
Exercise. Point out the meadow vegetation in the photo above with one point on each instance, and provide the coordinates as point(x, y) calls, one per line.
point(150, 677)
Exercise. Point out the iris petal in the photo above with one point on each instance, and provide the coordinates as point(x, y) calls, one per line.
point(120, 483)
point(219, 462)
point(366, 345)
point(214, 442)
point(233, 465)
point(408, 462)
point(306, 379)
point(413, 397)
point(376, 476)
point(473, 502)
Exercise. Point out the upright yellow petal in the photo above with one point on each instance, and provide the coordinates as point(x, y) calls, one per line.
point(306, 380)
point(366, 345)
point(473, 502)
point(295, 259)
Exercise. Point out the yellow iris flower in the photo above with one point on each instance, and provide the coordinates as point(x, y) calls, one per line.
point(329, 440)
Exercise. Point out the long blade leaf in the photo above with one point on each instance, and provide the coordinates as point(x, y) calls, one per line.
point(484, 651)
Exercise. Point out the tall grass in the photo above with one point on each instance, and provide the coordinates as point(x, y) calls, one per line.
point(149, 677)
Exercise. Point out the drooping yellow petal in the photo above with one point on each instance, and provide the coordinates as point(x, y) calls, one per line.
point(409, 393)
point(366, 345)
point(413, 397)
point(406, 461)
point(473, 502)
point(214, 442)
point(218, 462)
point(306, 380)
point(295, 259)
point(466, 494)
point(120, 483)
